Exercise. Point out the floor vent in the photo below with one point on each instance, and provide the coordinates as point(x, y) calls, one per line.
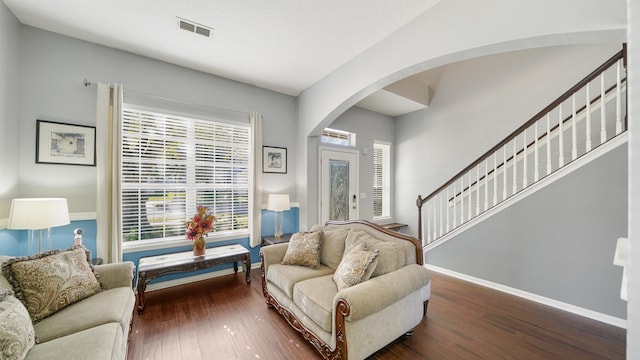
point(193, 27)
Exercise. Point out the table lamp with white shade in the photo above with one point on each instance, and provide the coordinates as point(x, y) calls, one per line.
point(278, 203)
point(38, 214)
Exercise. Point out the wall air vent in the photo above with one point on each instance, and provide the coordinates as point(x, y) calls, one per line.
point(194, 27)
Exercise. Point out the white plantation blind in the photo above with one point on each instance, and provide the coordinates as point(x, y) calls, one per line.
point(381, 179)
point(171, 164)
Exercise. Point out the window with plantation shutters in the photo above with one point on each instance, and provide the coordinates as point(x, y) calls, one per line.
point(381, 180)
point(170, 164)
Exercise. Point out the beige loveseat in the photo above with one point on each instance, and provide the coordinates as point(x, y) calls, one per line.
point(96, 327)
point(358, 320)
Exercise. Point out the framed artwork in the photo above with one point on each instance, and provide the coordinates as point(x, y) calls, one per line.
point(68, 144)
point(274, 160)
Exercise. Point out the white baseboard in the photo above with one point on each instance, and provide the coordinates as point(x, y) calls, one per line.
point(200, 277)
point(607, 319)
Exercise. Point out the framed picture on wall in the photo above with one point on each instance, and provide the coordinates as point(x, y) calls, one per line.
point(274, 159)
point(68, 144)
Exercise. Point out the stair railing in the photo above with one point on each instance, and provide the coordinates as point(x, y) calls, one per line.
point(586, 116)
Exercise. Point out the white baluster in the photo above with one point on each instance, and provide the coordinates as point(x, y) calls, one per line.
point(441, 215)
point(461, 199)
point(560, 138)
point(574, 137)
point(504, 172)
point(536, 168)
point(495, 178)
point(603, 117)
point(524, 153)
point(478, 190)
point(435, 227)
point(455, 214)
point(514, 167)
point(469, 210)
point(428, 225)
point(588, 109)
point(548, 143)
point(486, 184)
point(447, 227)
point(618, 98)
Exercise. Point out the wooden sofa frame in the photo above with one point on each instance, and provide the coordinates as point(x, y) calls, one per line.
point(342, 307)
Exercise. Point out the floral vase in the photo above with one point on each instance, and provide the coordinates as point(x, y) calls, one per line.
point(199, 246)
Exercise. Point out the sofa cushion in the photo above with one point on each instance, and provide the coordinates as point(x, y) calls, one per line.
point(353, 267)
point(303, 249)
point(286, 276)
point(16, 330)
point(331, 244)
point(109, 306)
point(315, 298)
point(4, 283)
point(104, 342)
point(392, 255)
point(48, 282)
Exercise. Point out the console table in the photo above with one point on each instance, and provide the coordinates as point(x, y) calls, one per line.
point(270, 240)
point(395, 226)
point(155, 266)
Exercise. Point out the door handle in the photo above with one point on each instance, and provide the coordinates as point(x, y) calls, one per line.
point(354, 202)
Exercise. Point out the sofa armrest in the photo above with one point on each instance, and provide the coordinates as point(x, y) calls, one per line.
point(273, 254)
point(116, 274)
point(381, 291)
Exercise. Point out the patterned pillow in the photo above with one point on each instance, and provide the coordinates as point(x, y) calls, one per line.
point(50, 281)
point(353, 267)
point(17, 336)
point(391, 257)
point(304, 249)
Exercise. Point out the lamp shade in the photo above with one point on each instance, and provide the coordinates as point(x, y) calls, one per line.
point(38, 213)
point(278, 202)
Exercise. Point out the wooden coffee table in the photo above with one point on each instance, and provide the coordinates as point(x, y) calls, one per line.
point(155, 266)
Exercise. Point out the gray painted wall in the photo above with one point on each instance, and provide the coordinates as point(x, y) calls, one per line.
point(557, 243)
point(633, 319)
point(368, 126)
point(9, 107)
point(52, 68)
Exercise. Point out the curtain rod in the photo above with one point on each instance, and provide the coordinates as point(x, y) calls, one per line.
point(88, 83)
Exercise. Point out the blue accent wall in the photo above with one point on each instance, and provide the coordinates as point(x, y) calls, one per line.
point(290, 221)
point(14, 242)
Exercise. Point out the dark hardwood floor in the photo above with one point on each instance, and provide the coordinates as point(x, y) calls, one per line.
point(223, 318)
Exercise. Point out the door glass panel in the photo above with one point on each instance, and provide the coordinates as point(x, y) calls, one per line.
point(339, 190)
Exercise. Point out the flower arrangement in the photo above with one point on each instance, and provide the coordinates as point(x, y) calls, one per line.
point(201, 223)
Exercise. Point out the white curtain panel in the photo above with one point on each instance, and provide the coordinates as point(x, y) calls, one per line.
point(255, 201)
point(108, 119)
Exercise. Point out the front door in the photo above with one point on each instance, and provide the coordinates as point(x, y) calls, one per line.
point(338, 185)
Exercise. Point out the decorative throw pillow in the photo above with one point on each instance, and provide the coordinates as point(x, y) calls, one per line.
point(391, 256)
point(331, 244)
point(304, 249)
point(17, 336)
point(48, 282)
point(353, 267)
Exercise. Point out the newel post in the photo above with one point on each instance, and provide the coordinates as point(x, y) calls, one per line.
point(419, 205)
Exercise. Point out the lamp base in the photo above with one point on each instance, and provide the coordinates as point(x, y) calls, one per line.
point(278, 232)
point(39, 242)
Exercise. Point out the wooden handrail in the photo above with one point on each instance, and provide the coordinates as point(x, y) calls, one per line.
point(532, 142)
point(535, 118)
point(622, 54)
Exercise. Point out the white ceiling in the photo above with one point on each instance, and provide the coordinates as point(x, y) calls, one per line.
point(281, 45)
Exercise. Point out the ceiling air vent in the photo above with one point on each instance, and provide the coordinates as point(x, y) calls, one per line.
point(194, 27)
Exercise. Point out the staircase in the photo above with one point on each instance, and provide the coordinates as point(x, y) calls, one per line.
point(585, 118)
